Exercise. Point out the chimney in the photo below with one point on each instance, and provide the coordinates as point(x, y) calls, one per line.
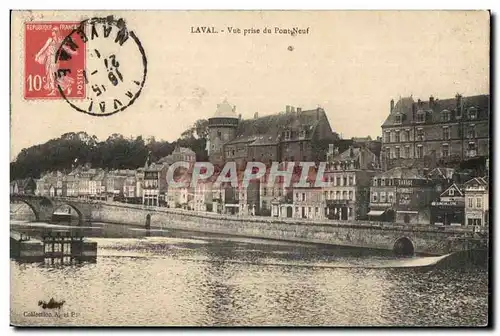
point(317, 113)
point(431, 101)
point(351, 151)
point(299, 109)
point(392, 104)
point(287, 108)
point(459, 103)
point(239, 116)
point(256, 115)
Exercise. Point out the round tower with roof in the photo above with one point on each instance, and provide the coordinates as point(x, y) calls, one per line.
point(221, 129)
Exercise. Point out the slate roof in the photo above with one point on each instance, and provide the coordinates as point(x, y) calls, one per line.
point(356, 152)
point(443, 173)
point(433, 110)
point(403, 107)
point(478, 180)
point(455, 187)
point(402, 173)
point(264, 140)
point(346, 155)
point(267, 130)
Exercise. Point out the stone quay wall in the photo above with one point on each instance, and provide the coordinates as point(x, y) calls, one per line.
point(376, 235)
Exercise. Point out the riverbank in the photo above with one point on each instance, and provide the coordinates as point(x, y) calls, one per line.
point(374, 235)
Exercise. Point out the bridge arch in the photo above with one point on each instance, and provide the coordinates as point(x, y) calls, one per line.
point(44, 207)
point(403, 246)
point(35, 209)
point(78, 211)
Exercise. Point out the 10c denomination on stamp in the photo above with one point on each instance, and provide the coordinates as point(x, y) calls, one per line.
point(42, 40)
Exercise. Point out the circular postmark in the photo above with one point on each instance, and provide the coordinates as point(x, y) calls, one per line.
point(115, 69)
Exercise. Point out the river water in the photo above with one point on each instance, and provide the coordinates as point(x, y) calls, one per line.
point(180, 278)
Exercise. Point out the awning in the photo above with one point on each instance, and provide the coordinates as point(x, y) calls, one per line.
point(232, 205)
point(375, 212)
point(407, 211)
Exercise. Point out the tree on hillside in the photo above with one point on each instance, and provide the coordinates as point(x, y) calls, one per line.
point(116, 152)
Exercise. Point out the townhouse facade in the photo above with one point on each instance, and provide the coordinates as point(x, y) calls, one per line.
point(436, 132)
point(401, 195)
point(97, 185)
point(179, 154)
point(130, 189)
point(154, 190)
point(308, 202)
point(477, 202)
point(202, 196)
point(449, 209)
point(349, 176)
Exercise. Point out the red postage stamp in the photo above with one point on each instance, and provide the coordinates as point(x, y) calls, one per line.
point(42, 42)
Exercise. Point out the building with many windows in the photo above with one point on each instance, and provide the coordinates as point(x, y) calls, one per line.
point(436, 132)
point(477, 201)
point(402, 195)
point(349, 177)
point(292, 135)
point(155, 184)
point(179, 154)
point(308, 203)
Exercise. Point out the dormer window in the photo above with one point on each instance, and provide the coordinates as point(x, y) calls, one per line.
point(472, 113)
point(446, 115)
point(288, 135)
point(398, 119)
point(420, 116)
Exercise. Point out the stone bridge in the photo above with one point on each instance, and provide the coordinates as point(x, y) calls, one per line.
point(400, 238)
point(44, 207)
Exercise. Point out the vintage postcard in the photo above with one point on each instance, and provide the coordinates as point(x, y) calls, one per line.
point(250, 168)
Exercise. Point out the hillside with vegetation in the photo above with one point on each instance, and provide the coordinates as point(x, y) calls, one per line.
point(116, 152)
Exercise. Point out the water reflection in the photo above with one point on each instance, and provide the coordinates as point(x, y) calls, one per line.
point(186, 278)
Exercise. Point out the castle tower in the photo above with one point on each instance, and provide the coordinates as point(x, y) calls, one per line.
point(221, 129)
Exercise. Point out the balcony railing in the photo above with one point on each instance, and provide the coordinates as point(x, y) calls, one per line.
point(337, 202)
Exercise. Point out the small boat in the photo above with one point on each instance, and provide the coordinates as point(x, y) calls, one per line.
point(52, 304)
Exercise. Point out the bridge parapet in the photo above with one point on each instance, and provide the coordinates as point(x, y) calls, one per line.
point(44, 207)
point(381, 235)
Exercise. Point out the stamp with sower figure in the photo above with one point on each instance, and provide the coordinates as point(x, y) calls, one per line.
point(42, 40)
point(98, 60)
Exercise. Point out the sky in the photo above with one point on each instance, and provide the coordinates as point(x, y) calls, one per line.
point(351, 63)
